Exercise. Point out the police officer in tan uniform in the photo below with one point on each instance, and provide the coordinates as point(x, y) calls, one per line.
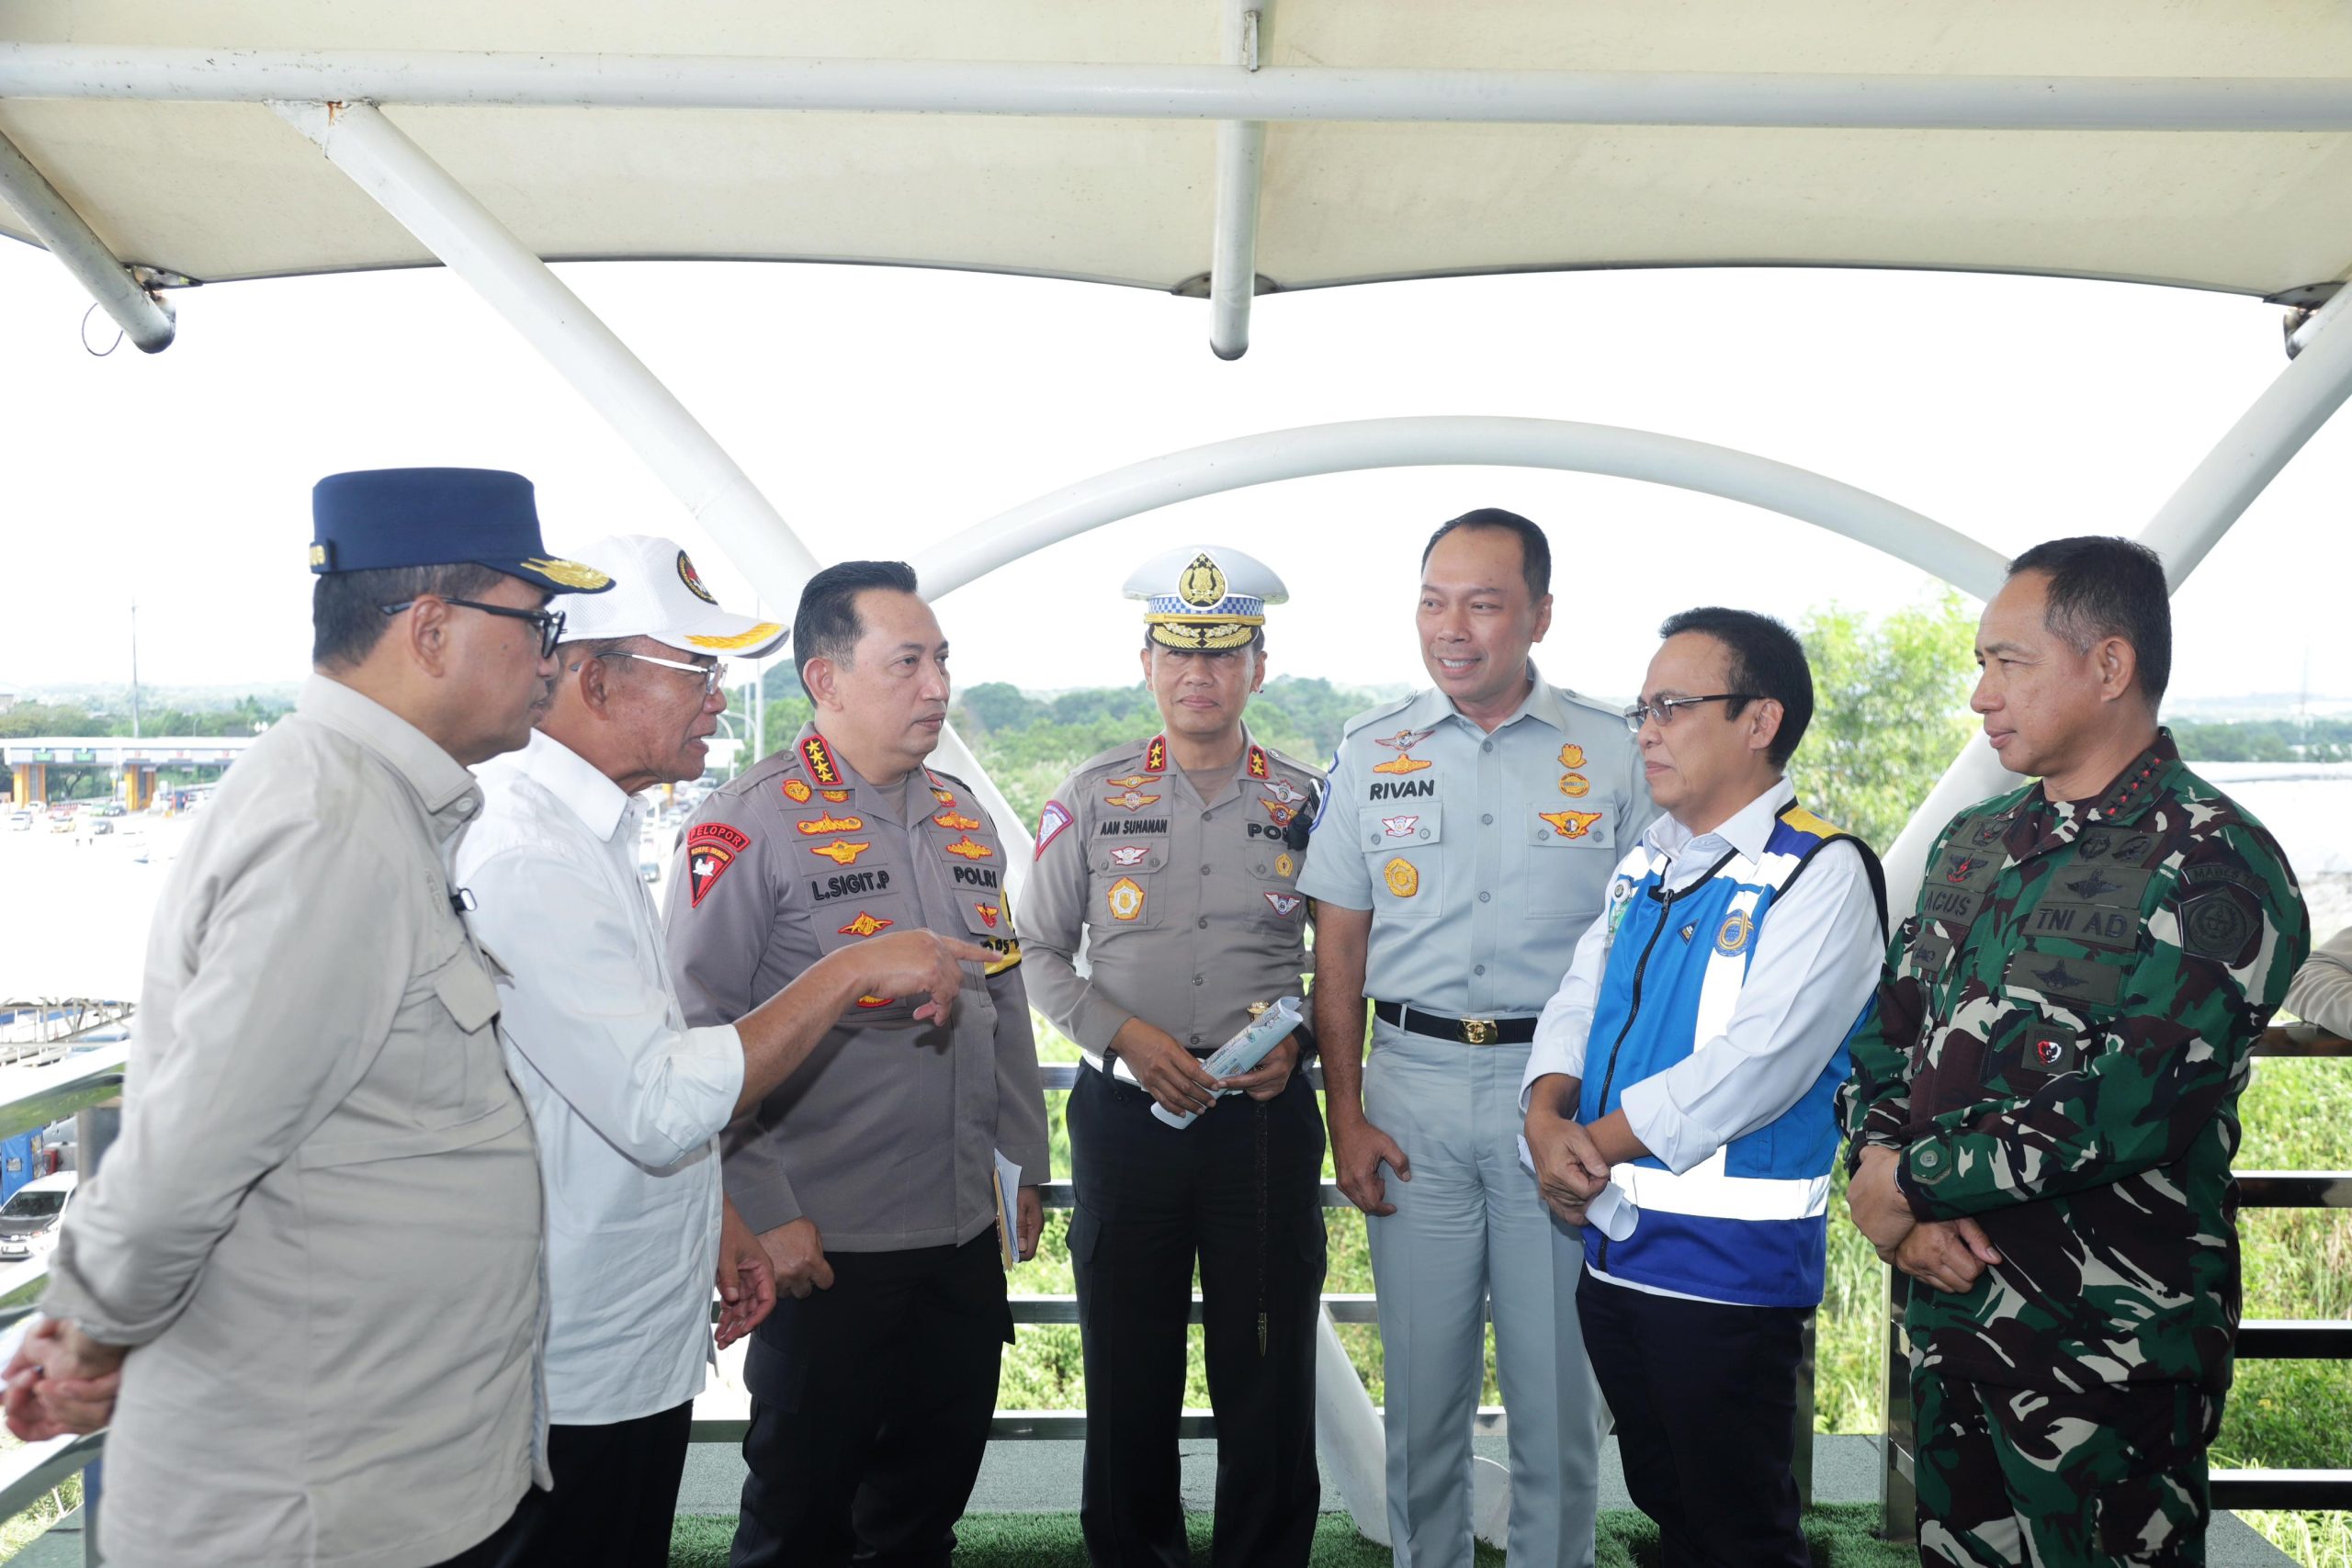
point(868, 1174)
point(1174, 862)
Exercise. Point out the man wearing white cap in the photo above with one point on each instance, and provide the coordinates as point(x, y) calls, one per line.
point(628, 1101)
point(1175, 861)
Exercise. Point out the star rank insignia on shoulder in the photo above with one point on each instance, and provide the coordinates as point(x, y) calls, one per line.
point(1155, 756)
point(1258, 768)
point(819, 759)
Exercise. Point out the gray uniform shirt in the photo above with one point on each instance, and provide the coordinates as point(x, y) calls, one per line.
point(320, 1226)
point(1482, 857)
point(1190, 907)
point(887, 1135)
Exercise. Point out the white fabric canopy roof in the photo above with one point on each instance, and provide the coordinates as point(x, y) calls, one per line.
point(221, 190)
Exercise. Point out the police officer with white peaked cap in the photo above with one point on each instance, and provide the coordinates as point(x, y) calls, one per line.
point(1174, 860)
point(1468, 842)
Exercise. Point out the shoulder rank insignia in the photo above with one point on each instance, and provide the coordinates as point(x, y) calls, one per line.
point(828, 823)
point(956, 822)
point(1402, 743)
point(1130, 800)
point(988, 913)
point(971, 850)
point(1258, 769)
point(1285, 903)
point(1402, 879)
point(1572, 756)
point(866, 925)
point(1155, 756)
point(1571, 824)
point(819, 759)
point(841, 852)
point(1125, 898)
point(798, 793)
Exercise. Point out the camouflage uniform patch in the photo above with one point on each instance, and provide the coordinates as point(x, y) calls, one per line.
point(2064, 1038)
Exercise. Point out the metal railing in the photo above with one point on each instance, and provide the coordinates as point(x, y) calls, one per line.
point(2258, 1340)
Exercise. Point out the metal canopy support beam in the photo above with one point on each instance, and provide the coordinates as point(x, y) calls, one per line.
point(1912, 102)
point(445, 216)
point(1470, 441)
point(143, 318)
point(1240, 162)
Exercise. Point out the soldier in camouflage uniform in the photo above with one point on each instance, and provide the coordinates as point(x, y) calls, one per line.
point(2041, 1129)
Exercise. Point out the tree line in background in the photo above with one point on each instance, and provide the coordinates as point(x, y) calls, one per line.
point(246, 715)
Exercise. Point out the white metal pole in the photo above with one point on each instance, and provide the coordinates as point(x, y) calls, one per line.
point(358, 140)
point(1240, 165)
point(145, 319)
point(1908, 101)
point(2275, 427)
point(1470, 440)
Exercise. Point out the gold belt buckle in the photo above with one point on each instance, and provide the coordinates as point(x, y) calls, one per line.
point(1479, 1030)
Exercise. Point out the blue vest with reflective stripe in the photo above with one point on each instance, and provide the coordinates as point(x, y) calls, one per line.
point(1750, 1225)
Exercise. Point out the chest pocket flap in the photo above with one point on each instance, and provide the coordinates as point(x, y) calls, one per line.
point(1400, 825)
point(1568, 830)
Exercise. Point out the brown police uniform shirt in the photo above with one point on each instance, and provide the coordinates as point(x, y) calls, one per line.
point(885, 1136)
point(1190, 907)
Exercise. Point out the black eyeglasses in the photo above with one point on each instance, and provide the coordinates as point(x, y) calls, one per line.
point(549, 621)
point(1663, 709)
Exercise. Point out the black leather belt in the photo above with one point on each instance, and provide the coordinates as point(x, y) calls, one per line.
point(1461, 1030)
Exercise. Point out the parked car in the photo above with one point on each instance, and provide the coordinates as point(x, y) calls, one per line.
point(648, 870)
point(28, 1220)
point(20, 821)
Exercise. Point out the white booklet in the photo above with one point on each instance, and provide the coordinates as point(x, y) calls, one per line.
point(1006, 1182)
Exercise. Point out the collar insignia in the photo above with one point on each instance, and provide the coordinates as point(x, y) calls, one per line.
point(819, 758)
point(1155, 756)
point(1258, 769)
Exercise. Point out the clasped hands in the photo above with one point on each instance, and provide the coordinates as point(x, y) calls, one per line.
point(1570, 1169)
point(1947, 1254)
point(60, 1381)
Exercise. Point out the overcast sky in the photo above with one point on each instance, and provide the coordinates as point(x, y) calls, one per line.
point(884, 409)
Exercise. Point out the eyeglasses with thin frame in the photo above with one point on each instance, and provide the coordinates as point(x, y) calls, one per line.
point(1663, 710)
point(713, 675)
point(549, 621)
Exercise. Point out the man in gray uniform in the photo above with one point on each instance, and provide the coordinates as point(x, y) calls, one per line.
point(1178, 960)
point(314, 1251)
point(869, 1174)
point(1466, 843)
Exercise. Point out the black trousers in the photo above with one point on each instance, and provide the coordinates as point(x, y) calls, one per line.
point(1705, 1397)
point(1239, 1190)
point(616, 1491)
point(870, 1410)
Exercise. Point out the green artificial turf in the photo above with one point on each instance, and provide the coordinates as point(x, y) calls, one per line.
point(1840, 1535)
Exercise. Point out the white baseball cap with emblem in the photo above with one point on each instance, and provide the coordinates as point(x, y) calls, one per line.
point(657, 594)
point(1201, 596)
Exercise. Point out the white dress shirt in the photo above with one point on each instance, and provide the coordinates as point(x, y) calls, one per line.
point(627, 1099)
point(1819, 954)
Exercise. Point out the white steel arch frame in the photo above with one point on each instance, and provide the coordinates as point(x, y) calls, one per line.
point(444, 216)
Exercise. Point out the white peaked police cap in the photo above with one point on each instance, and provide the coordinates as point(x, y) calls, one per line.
point(657, 594)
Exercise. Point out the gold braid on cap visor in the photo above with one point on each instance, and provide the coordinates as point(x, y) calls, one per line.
point(1200, 632)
